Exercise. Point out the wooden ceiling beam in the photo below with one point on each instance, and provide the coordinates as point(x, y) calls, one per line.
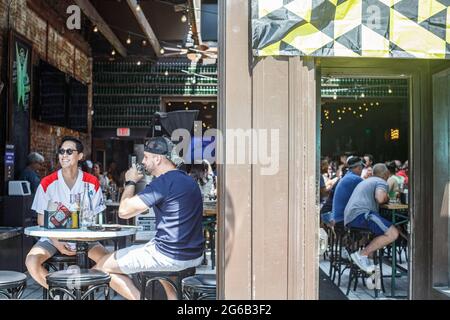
point(145, 26)
point(90, 11)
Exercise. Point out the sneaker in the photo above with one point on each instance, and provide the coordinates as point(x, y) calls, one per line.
point(362, 262)
point(345, 255)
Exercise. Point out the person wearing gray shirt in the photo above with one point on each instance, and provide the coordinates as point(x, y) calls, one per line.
point(362, 212)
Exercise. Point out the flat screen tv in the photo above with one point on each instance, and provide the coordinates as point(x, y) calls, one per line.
point(59, 99)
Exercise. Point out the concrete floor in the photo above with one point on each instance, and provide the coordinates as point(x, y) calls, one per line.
point(33, 290)
point(363, 293)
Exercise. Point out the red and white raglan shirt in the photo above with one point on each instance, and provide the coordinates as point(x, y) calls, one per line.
point(53, 189)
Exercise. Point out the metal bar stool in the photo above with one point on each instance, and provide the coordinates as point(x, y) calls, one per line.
point(356, 235)
point(12, 284)
point(199, 287)
point(148, 278)
point(338, 262)
point(78, 284)
point(57, 262)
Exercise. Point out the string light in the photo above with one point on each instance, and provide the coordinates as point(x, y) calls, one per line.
point(95, 29)
point(162, 51)
point(362, 95)
point(166, 73)
point(138, 63)
point(113, 52)
point(183, 18)
point(144, 42)
point(390, 90)
point(128, 40)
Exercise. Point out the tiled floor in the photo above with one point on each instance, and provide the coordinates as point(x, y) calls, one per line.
point(33, 290)
point(363, 293)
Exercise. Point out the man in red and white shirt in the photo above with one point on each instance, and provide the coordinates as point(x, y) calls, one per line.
point(63, 186)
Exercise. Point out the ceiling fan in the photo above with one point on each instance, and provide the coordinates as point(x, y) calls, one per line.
point(194, 53)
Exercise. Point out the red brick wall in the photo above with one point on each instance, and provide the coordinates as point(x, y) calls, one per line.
point(45, 139)
point(61, 53)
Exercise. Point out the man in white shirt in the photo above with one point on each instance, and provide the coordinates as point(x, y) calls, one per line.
point(63, 187)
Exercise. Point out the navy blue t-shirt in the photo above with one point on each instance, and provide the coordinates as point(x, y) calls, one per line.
point(342, 194)
point(178, 205)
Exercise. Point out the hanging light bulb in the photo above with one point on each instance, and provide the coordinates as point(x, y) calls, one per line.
point(113, 52)
point(138, 63)
point(390, 90)
point(128, 40)
point(184, 18)
point(335, 95)
point(138, 6)
point(95, 29)
point(362, 95)
point(166, 73)
point(144, 42)
point(162, 51)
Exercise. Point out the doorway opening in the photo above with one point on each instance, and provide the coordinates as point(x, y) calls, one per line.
point(365, 120)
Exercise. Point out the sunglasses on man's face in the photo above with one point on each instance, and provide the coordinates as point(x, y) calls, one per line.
point(69, 151)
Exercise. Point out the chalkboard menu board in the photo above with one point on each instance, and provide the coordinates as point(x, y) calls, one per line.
point(20, 83)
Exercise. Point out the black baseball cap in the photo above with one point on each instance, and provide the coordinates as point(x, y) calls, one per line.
point(159, 145)
point(354, 161)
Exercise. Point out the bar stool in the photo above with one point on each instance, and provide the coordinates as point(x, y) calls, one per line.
point(355, 236)
point(338, 263)
point(199, 287)
point(78, 284)
point(209, 231)
point(12, 284)
point(57, 262)
point(148, 278)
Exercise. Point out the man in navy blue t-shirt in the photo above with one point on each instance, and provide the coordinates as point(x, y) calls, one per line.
point(178, 205)
point(345, 188)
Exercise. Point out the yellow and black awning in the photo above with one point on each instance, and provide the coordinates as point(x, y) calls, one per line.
point(352, 28)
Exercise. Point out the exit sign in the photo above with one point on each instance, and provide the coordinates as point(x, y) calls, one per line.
point(123, 132)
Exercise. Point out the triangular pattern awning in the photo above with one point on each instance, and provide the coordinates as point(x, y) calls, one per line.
point(352, 28)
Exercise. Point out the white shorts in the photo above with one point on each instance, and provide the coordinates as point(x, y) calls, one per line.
point(146, 257)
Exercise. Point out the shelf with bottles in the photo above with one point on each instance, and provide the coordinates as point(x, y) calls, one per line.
point(174, 81)
point(331, 81)
point(127, 100)
point(106, 111)
point(127, 123)
point(146, 67)
point(365, 92)
point(155, 91)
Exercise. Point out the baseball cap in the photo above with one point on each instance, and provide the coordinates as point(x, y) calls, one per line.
point(164, 147)
point(159, 145)
point(354, 161)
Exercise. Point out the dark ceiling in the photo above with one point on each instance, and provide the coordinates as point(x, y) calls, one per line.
point(161, 15)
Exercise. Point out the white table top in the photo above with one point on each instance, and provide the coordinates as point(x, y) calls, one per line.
point(79, 234)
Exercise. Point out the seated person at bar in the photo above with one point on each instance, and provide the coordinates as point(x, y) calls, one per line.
point(177, 202)
point(30, 173)
point(63, 186)
point(393, 181)
point(344, 190)
point(362, 212)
